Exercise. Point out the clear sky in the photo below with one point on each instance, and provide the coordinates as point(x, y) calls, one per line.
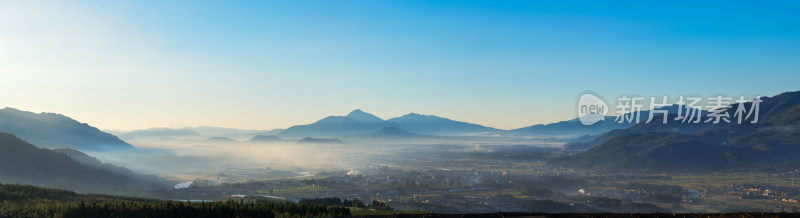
point(273, 64)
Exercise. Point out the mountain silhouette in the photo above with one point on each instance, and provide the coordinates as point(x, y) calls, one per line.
point(95, 163)
point(433, 125)
point(363, 117)
point(50, 130)
point(773, 143)
point(335, 126)
point(193, 133)
point(265, 138)
point(575, 128)
point(218, 131)
point(360, 122)
point(22, 162)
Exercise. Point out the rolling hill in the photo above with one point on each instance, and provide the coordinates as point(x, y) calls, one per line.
point(21, 162)
point(573, 127)
point(773, 143)
point(95, 163)
point(49, 130)
point(265, 138)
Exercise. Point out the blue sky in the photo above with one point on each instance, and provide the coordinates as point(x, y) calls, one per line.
point(273, 64)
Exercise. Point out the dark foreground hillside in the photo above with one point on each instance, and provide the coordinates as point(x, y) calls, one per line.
point(611, 215)
point(22, 162)
point(30, 201)
point(771, 144)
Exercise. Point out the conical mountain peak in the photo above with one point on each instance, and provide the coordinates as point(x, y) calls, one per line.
point(362, 116)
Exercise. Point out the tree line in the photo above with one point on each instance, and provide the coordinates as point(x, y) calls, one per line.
point(31, 201)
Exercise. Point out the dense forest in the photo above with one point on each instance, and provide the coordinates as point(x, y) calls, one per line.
point(31, 201)
point(335, 201)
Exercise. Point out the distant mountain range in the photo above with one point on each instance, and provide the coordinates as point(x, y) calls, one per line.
point(50, 130)
point(62, 132)
point(360, 122)
point(773, 143)
point(159, 133)
point(336, 126)
point(575, 128)
point(433, 125)
point(201, 132)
